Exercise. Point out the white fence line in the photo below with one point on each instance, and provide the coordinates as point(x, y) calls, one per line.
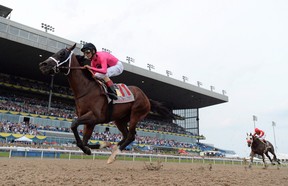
point(180, 159)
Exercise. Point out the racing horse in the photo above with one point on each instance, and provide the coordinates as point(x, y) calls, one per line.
point(92, 105)
point(260, 148)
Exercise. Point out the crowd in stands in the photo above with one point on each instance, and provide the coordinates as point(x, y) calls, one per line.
point(19, 101)
point(24, 128)
point(38, 85)
point(24, 102)
point(161, 125)
point(13, 102)
point(18, 128)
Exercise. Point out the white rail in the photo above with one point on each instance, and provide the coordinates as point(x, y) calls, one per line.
point(151, 157)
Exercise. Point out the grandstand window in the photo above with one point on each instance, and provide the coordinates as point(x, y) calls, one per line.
point(33, 37)
point(190, 123)
point(23, 34)
point(52, 43)
point(3, 27)
point(42, 40)
point(13, 30)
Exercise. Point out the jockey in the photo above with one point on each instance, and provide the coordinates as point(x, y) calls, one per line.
point(103, 66)
point(260, 134)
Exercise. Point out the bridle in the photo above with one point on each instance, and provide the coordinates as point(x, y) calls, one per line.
point(249, 139)
point(59, 63)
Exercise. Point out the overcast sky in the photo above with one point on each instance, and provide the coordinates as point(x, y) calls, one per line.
point(237, 46)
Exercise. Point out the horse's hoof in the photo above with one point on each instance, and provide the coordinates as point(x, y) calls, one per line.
point(87, 150)
point(112, 158)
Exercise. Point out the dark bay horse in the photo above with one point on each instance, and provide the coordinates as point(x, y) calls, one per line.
point(260, 148)
point(92, 105)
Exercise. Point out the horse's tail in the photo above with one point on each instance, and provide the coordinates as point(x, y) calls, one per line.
point(159, 109)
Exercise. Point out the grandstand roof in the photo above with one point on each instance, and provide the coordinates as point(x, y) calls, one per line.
point(23, 47)
point(5, 11)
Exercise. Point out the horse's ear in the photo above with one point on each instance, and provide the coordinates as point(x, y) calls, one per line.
point(72, 47)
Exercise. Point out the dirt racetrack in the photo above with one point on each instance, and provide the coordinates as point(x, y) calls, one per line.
point(28, 171)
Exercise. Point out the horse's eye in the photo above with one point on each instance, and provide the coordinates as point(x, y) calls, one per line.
point(62, 54)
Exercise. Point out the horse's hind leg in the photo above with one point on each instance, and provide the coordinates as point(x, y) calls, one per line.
point(131, 134)
point(275, 157)
point(126, 141)
point(122, 127)
point(266, 153)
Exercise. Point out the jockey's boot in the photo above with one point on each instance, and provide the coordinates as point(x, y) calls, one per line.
point(112, 92)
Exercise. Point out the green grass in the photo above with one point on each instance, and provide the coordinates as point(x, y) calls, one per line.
point(139, 158)
point(4, 154)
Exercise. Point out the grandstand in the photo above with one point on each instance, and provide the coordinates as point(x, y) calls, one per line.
point(24, 95)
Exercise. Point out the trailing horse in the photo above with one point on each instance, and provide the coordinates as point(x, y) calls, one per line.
point(92, 106)
point(260, 148)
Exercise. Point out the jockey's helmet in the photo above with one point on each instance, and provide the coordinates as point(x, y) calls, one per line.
point(88, 46)
point(257, 130)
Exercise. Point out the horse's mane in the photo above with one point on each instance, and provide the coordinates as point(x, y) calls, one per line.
point(82, 62)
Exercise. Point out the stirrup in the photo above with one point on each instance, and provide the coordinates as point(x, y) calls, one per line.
point(112, 93)
point(112, 96)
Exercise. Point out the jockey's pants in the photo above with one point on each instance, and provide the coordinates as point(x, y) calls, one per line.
point(111, 71)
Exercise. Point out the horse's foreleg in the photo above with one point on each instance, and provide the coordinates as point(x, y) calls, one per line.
point(251, 159)
point(74, 127)
point(263, 159)
point(86, 118)
point(87, 133)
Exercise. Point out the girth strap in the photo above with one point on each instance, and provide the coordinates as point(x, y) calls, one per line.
point(110, 111)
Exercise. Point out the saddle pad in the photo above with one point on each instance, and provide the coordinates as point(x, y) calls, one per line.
point(126, 96)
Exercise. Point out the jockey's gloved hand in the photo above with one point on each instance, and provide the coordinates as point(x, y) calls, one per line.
point(82, 60)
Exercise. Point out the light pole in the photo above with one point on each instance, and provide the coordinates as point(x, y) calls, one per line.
point(106, 50)
point(50, 92)
point(47, 27)
point(254, 120)
point(185, 78)
point(212, 88)
point(82, 42)
point(150, 66)
point(274, 125)
point(224, 92)
point(199, 83)
point(130, 59)
point(169, 73)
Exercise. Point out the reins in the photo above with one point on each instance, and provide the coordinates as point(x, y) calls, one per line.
point(73, 68)
point(59, 63)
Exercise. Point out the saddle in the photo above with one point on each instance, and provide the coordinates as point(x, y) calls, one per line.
point(123, 93)
point(266, 143)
